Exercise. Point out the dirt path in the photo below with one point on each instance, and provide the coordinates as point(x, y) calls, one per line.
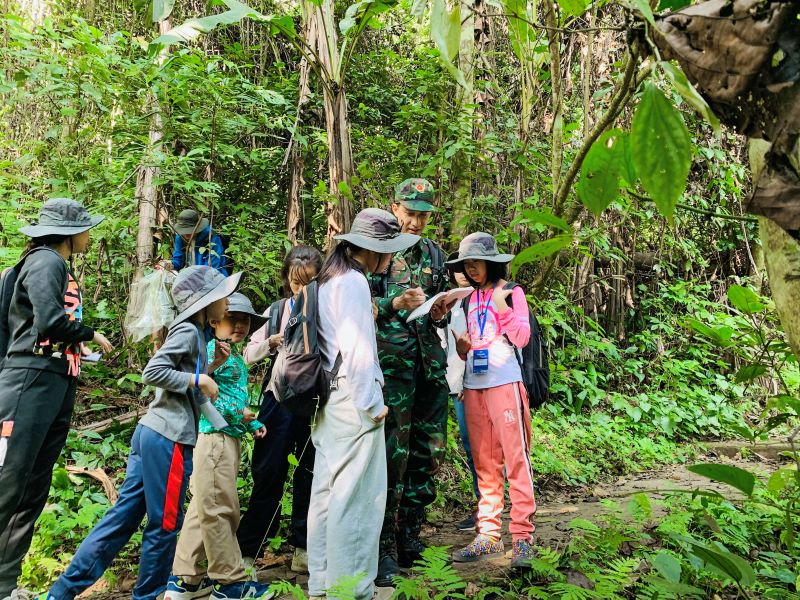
point(556, 510)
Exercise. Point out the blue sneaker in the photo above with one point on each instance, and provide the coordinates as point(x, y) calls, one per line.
point(241, 589)
point(178, 589)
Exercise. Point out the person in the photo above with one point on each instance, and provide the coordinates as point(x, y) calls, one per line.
point(196, 244)
point(39, 372)
point(413, 362)
point(160, 461)
point(207, 555)
point(287, 433)
point(348, 493)
point(495, 400)
point(455, 381)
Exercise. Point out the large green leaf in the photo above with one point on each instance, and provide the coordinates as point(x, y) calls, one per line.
point(661, 149)
point(668, 566)
point(446, 34)
point(519, 29)
point(573, 8)
point(601, 171)
point(161, 9)
point(540, 250)
point(749, 372)
point(744, 299)
point(682, 85)
point(546, 218)
point(742, 480)
point(641, 6)
point(361, 12)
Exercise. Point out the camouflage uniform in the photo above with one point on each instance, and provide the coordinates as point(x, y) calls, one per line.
point(415, 390)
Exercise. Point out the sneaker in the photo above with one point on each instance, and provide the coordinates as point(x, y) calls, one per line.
point(178, 589)
point(467, 524)
point(481, 548)
point(242, 589)
point(521, 554)
point(299, 561)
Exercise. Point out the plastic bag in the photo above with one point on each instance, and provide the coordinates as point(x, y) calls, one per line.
point(150, 306)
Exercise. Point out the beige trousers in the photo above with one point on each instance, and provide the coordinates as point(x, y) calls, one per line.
point(209, 529)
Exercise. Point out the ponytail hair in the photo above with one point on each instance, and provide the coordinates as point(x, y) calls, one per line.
point(339, 261)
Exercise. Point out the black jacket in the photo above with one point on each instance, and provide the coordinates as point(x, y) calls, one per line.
point(37, 314)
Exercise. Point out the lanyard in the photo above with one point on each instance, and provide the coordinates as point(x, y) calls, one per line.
point(291, 304)
point(483, 312)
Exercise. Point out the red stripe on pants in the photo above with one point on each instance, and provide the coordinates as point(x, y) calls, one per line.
point(173, 496)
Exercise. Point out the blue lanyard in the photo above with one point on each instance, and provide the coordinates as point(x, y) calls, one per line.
point(291, 304)
point(483, 312)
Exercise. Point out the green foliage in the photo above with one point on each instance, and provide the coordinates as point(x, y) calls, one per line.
point(433, 578)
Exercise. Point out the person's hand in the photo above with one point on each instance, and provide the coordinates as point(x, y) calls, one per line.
point(463, 342)
point(275, 341)
point(248, 416)
point(222, 351)
point(103, 342)
point(499, 296)
point(260, 433)
point(382, 416)
point(460, 396)
point(439, 309)
point(208, 386)
point(409, 300)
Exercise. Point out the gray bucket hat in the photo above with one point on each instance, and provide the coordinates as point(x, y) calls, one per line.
point(189, 222)
point(479, 246)
point(198, 286)
point(239, 303)
point(378, 230)
point(61, 216)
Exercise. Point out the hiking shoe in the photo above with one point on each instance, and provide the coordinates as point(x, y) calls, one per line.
point(481, 548)
point(409, 551)
point(178, 589)
point(242, 589)
point(387, 571)
point(299, 561)
point(521, 554)
point(467, 524)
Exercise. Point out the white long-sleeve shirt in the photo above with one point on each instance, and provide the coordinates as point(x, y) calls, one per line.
point(346, 325)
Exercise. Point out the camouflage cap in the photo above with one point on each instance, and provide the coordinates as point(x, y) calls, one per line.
point(415, 194)
point(479, 246)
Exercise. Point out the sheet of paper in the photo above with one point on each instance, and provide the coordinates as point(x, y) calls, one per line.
point(449, 296)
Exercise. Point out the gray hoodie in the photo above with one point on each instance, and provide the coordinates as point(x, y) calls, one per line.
point(174, 412)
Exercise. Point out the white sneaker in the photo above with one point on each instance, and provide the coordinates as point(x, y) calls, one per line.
point(299, 561)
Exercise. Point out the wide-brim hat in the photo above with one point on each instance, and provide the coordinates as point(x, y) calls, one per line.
point(378, 230)
point(239, 303)
point(190, 222)
point(479, 246)
point(61, 216)
point(197, 287)
point(415, 194)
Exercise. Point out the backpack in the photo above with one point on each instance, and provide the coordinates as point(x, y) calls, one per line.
point(8, 281)
point(299, 381)
point(532, 358)
point(379, 284)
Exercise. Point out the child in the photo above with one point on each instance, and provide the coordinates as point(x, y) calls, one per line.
point(208, 535)
point(287, 433)
point(455, 381)
point(160, 461)
point(44, 332)
point(495, 401)
point(348, 495)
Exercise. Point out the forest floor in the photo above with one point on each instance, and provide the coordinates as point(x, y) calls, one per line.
point(557, 507)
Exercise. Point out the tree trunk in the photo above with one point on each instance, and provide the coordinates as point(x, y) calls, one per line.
point(146, 191)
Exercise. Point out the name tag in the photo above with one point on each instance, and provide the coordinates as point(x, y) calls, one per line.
point(480, 361)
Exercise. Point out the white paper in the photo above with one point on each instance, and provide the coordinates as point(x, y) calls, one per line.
point(210, 412)
point(449, 296)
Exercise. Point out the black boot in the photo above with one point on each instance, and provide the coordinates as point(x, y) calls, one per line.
point(409, 546)
point(387, 564)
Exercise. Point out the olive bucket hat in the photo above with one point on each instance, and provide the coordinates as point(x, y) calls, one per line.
point(415, 194)
point(197, 287)
point(61, 216)
point(239, 303)
point(378, 230)
point(189, 222)
point(479, 246)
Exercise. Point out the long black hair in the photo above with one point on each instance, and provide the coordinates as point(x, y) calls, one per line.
point(339, 261)
point(304, 260)
point(46, 240)
point(495, 271)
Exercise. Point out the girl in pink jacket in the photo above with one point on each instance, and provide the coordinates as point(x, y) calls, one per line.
point(495, 401)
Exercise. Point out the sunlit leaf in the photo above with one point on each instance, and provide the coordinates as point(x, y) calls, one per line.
point(742, 480)
point(601, 171)
point(446, 34)
point(682, 85)
point(750, 372)
point(546, 218)
point(745, 299)
point(540, 250)
point(669, 566)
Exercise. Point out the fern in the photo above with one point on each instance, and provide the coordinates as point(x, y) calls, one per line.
point(434, 578)
point(282, 588)
point(567, 591)
point(613, 581)
point(344, 588)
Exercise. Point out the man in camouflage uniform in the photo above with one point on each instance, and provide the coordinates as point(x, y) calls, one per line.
point(415, 390)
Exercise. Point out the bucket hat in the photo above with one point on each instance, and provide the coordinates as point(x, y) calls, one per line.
point(479, 246)
point(190, 222)
point(415, 194)
point(378, 230)
point(239, 303)
point(198, 286)
point(61, 216)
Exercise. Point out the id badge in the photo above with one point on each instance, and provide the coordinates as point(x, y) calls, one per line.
point(480, 361)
